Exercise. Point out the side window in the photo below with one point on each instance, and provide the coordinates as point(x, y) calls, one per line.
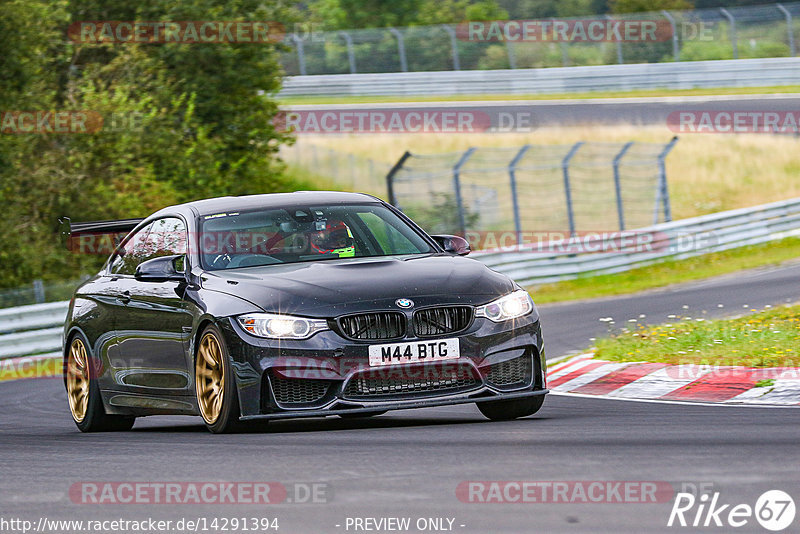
point(166, 238)
point(131, 253)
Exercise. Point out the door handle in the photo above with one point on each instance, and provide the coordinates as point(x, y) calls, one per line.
point(125, 297)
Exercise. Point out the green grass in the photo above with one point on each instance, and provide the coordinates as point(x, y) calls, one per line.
point(770, 338)
point(669, 272)
point(306, 179)
point(299, 100)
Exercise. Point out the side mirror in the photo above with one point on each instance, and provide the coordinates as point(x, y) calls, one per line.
point(453, 244)
point(162, 269)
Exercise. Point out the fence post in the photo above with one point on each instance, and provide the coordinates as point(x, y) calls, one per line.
point(457, 187)
point(390, 177)
point(512, 175)
point(301, 57)
point(662, 181)
point(453, 46)
point(333, 157)
point(617, 185)
point(567, 190)
point(618, 44)
point(401, 48)
point(676, 54)
point(351, 56)
point(512, 59)
point(732, 21)
point(38, 291)
point(789, 28)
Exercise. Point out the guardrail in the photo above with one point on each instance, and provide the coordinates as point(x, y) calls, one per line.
point(704, 74)
point(36, 330)
point(677, 239)
point(32, 330)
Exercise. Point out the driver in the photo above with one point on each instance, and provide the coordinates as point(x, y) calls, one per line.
point(333, 237)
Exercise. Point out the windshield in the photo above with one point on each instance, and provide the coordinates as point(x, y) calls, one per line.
point(306, 233)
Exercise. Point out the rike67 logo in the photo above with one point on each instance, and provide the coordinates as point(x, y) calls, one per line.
point(774, 510)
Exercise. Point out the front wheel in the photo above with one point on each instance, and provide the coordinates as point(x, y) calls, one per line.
point(215, 386)
point(83, 393)
point(505, 410)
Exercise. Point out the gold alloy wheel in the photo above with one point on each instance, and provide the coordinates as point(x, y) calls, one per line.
point(209, 378)
point(78, 379)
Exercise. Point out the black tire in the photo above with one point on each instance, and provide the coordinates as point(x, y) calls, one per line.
point(361, 415)
point(227, 419)
point(94, 418)
point(506, 410)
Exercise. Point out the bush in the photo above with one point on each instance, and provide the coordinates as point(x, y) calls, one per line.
point(204, 123)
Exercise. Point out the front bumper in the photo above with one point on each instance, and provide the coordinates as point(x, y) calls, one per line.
point(330, 375)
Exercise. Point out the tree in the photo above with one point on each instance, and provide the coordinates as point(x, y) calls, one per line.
point(203, 122)
point(541, 9)
point(637, 6)
point(352, 14)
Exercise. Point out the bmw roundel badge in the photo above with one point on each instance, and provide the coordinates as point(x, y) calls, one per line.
point(404, 303)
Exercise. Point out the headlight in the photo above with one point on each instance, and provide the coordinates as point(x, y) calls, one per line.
point(511, 306)
point(275, 326)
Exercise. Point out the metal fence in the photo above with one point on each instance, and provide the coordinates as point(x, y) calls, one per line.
point(718, 33)
point(584, 186)
point(38, 292)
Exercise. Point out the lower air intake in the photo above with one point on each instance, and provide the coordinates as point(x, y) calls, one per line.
point(510, 372)
point(412, 381)
point(298, 390)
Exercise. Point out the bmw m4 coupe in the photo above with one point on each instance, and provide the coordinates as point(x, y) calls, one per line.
point(303, 304)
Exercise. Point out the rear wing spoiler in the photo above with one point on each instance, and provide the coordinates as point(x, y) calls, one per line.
point(98, 237)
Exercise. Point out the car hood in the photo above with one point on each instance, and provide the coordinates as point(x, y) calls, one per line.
point(335, 287)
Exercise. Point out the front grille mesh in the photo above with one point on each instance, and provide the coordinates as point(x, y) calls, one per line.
point(411, 380)
point(298, 391)
point(379, 325)
point(510, 372)
point(441, 320)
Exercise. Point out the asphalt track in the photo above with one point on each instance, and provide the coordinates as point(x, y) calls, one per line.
point(409, 463)
point(573, 112)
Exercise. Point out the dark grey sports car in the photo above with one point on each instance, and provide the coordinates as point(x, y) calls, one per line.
point(302, 304)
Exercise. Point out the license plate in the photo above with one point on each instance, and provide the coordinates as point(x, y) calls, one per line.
point(415, 351)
